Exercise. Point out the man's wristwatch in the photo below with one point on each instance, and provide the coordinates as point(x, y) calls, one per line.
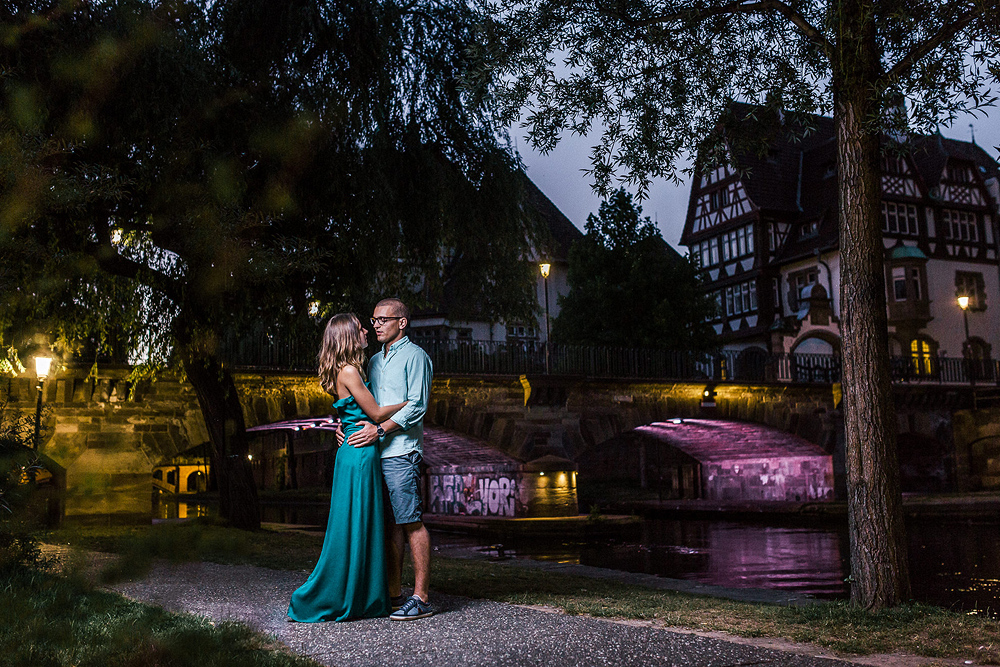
point(380, 431)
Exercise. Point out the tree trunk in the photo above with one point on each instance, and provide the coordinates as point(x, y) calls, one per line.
point(220, 405)
point(879, 569)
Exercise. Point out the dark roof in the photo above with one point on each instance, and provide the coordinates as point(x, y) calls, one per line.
point(562, 232)
point(931, 153)
point(772, 179)
point(801, 152)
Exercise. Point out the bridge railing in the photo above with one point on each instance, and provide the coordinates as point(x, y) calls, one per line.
point(479, 357)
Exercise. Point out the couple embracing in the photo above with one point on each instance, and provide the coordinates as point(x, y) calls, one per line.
point(359, 573)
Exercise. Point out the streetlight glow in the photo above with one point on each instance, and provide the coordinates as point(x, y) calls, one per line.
point(963, 303)
point(43, 365)
point(544, 267)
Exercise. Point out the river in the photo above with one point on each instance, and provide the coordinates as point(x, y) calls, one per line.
point(953, 564)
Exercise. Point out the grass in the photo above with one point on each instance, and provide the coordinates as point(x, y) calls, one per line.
point(918, 629)
point(48, 620)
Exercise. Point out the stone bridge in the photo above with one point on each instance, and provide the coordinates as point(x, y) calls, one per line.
point(103, 434)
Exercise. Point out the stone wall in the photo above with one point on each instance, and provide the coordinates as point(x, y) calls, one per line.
point(977, 448)
point(103, 435)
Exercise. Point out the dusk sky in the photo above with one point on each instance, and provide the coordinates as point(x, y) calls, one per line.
point(559, 176)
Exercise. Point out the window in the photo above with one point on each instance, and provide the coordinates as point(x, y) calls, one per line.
point(907, 284)
point(741, 298)
point(972, 285)
point(899, 283)
point(899, 218)
point(718, 199)
point(797, 282)
point(960, 225)
point(809, 229)
point(921, 354)
point(893, 165)
point(734, 244)
point(519, 332)
point(776, 286)
point(959, 174)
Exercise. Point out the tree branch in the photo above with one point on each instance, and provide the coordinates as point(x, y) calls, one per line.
point(112, 262)
point(736, 7)
point(945, 33)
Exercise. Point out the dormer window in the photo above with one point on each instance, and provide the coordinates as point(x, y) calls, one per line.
point(809, 229)
point(959, 174)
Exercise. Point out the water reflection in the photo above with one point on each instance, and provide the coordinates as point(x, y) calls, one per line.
point(721, 553)
point(954, 565)
point(168, 510)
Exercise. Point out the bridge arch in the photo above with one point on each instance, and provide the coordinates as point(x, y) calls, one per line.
point(108, 434)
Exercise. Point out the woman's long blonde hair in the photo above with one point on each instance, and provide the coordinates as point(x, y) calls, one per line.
point(340, 347)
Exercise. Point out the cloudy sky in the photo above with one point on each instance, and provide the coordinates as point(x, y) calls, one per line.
point(559, 175)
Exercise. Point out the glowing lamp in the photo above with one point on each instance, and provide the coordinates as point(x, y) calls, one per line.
point(544, 267)
point(963, 302)
point(43, 365)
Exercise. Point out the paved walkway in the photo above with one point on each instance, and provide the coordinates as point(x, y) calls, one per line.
point(464, 632)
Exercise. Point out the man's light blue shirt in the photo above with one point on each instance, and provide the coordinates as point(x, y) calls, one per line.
point(403, 373)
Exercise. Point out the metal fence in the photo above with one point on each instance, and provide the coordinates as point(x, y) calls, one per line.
point(477, 357)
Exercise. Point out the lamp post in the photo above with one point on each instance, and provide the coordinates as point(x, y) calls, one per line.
point(43, 364)
point(963, 303)
point(545, 267)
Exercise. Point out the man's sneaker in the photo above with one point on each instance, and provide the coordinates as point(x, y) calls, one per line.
point(412, 609)
point(397, 601)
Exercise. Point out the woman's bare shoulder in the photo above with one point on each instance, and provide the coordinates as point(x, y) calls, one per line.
point(349, 372)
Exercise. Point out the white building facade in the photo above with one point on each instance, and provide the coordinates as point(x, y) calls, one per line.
point(766, 236)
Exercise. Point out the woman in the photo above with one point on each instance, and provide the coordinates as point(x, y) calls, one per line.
point(349, 580)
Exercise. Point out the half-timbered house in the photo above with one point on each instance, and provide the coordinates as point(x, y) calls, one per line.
point(764, 230)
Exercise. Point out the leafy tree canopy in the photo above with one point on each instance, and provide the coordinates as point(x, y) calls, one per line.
point(628, 288)
point(174, 173)
point(212, 166)
point(652, 78)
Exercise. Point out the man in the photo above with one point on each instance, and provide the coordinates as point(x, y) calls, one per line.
point(401, 371)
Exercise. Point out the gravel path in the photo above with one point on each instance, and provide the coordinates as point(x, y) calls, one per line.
point(463, 632)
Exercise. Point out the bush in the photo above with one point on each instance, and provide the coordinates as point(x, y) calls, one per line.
point(18, 467)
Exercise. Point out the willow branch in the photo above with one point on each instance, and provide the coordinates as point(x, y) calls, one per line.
point(945, 33)
point(738, 7)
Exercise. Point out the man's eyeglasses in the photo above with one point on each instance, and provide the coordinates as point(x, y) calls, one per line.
point(379, 321)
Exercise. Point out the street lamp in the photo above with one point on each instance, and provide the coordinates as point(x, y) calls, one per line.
point(43, 364)
point(544, 267)
point(963, 303)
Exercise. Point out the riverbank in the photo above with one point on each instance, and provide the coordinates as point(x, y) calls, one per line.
point(916, 630)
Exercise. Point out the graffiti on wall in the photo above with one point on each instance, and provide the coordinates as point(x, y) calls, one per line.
point(476, 495)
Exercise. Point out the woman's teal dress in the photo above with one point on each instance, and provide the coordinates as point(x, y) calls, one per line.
point(349, 581)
